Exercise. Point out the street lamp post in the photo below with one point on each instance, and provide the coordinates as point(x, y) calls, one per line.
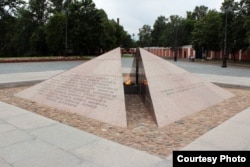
point(202, 53)
point(175, 43)
point(66, 28)
point(23, 30)
point(224, 61)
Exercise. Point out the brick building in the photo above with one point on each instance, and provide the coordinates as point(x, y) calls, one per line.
point(188, 52)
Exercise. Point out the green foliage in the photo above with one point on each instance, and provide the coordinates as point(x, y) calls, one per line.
point(55, 33)
point(37, 42)
point(145, 36)
point(41, 9)
point(245, 11)
point(47, 26)
point(203, 28)
point(42, 27)
point(158, 31)
point(7, 23)
point(9, 7)
point(207, 31)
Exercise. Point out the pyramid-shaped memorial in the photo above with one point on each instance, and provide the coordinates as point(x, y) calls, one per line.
point(93, 89)
point(173, 93)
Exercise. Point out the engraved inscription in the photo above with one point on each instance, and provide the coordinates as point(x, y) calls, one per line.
point(74, 90)
point(182, 88)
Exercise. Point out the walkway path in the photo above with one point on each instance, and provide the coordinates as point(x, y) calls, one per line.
point(28, 139)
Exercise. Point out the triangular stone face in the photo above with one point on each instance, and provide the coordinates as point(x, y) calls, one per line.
point(93, 89)
point(176, 93)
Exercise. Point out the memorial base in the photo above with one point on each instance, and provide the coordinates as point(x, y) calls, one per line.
point(131, 89)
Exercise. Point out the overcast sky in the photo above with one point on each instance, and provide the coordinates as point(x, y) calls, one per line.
point(133, 14)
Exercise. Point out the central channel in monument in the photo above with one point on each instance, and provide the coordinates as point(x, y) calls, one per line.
point(96, 89)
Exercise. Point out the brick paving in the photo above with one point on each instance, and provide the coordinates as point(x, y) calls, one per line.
point(142, 132)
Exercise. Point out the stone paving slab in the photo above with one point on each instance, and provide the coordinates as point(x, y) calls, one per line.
point(111, 156)
point(233, 81)
point(29, 121)
point(68, 139)
point(233, 134)
point(17, 79)
point(6, 127)
point(14, 136)
point(37, 153)
point(4, 163)
point(51, 143)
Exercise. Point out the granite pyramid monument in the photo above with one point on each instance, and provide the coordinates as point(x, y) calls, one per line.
point(93, 89)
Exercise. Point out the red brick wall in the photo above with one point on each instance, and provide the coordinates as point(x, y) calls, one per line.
point(184, 53)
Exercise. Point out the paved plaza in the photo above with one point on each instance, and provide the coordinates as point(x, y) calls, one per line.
point(28, 139)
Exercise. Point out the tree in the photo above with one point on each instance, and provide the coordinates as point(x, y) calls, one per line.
point(234, 16)
point(212, 22)
point(169, 35)
point(245, 11)
point(237, 34)
point(123, 39)
point(207, 31)
point(8, 10)
point(107, 36)
point(24, 28)
point(58, 5)
point(7, 24)
point(191, 19)
point(38, 42)
point(198, 13)
point(41, 10)
point(10, 7)
point(55, 33)
point(175, 31)
point(145, 36)
point(158, 31)
point(127, 41)
point(83, 26)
